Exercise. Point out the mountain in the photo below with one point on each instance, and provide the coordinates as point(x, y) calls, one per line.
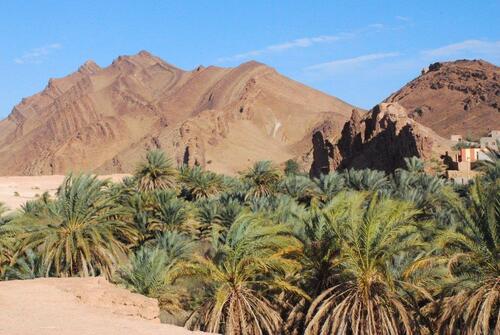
point(103, 119)
point(460, 97)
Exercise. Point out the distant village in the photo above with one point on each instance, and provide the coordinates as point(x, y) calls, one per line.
point(460, 166)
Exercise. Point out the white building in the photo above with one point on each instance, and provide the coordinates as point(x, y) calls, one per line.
point(490, 142)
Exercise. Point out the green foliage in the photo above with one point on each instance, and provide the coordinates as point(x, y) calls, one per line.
point(156, 173)
point(365, 180)
point(372, 233)
point(490, 167)
point(80, 233)
point(251, 260)
point(352, 252)
point(198, 183)
point(465, 145)
point(292, 167)
point(262, 179)
point(151, 269)
point(27, 266)
point(473, 260)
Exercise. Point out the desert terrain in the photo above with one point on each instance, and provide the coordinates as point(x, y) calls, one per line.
point(78, 306)
point(16, 190)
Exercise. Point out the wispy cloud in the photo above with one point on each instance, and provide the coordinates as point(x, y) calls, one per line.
point(37, 55)
point(305, 42)
point(478, 47)
point(297, 43)
point(403, 18)
point(339, 64)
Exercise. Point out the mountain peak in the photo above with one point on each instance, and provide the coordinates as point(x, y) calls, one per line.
point(457, 97)
point(142, 59)
point(144, 53)
point(89, 67)
point(219, 118)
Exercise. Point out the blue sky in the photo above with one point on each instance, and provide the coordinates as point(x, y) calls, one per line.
point(359, 51)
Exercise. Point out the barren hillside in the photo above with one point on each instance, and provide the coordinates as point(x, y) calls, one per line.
point(103, 119)
point(461, 97)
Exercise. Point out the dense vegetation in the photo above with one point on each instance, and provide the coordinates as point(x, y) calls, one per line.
point(353, 252)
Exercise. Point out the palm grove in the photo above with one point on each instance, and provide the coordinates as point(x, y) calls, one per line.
point(352, 252)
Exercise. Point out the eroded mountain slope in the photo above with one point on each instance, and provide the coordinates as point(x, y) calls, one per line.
point(103, 119)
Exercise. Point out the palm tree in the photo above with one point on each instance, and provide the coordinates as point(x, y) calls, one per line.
point(80, 233)
point(199, 183)
point(473, 253)
point(320, 266)
point(365, 180)
point(150, 269)
point(7, 241)
point(434, 196)
point(414, 165)
point(169, 212)
point(491, 166)
point(330, 185)
point(262, 179)
point(228, 211)
point(244, 269)
point(372, 233)
point(156, 173)
point(28, 266)
point(299, 187)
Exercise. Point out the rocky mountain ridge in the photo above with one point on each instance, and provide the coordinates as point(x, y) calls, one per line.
point(103, 119)
point(460, 97)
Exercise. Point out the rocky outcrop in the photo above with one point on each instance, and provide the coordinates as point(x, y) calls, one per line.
point(379, 140)
point(322, 149)
point(460, 97)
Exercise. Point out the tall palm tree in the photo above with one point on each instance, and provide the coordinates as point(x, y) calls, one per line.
point(199, 183)
point(365, 180)
point(80, 233)
point(372, 233)
point(330, 185)
point(156, 173)
point(239, 277)
point(299, 187)
point(169, 213)
point(320, 266)
point(262, 179)
point(473, 253)
point(151, 268)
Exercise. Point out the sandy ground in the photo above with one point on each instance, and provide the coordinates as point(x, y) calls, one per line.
point(16, 190)
point(78, 306)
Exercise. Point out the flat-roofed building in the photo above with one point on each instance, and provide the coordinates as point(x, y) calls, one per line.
point(491, 141)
